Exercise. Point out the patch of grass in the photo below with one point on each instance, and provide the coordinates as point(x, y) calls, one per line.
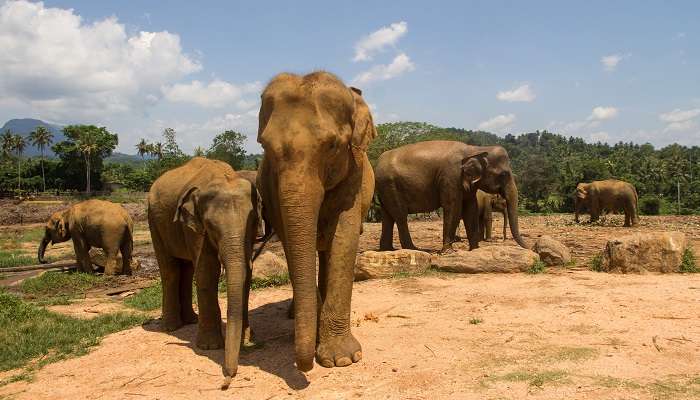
point(537, 267)
point(571, 263)
point(574, 354)
point(14, 258)
point(672, 387)
point(612, 382)
point(688, 264)
point(35, 335)
point(260, 283)
point(52, 284)
point(476, 321)
point(597, 263)
point(536, 378)
point(147, 299)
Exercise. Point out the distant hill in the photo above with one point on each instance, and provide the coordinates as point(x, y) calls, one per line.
point(24, 126)
point(121, 158)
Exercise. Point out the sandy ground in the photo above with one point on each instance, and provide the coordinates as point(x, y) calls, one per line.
point(569, 333)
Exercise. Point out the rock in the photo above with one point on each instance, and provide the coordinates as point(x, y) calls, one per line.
point(269, 264)
point(501, 259)
point(552, 252)
point(385, 264)
point(645, 252)
point(98, 258)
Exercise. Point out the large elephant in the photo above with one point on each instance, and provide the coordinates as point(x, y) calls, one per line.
point(317, 183)
point(610, 195)
point(425, 176)
point(93, 223)
point(203, 216)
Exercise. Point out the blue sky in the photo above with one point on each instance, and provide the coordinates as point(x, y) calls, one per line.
point(606, 71)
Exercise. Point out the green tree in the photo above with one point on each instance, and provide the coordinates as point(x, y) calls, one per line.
point(41, 137)
point(7, 143)
point(142, 148)
point(228, 147)
point(199, 151)
point(88, 145)
point(156, 150)
point(18, 145)
point(170, 147)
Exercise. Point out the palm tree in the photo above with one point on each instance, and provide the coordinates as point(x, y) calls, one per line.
point(157, 150)
point(7, 143)
point(142, 148)
point(199, 151)
point(41, 137)
point(87, 145)
point(18, 145)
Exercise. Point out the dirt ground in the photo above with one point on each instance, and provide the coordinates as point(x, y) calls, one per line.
point(569, 333)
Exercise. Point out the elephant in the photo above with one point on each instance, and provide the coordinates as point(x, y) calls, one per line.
point(93, 223)
point(424, 176)
point(487, 204)
point(609, 195)
point(317, 184)
point(202, 216)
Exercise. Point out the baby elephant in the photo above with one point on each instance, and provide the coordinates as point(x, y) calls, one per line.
point(488, 203)
point(93, 223)
point(203, 216)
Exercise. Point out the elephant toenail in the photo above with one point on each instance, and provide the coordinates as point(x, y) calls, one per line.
point(357, 356)
point(327, 363)
point(343, 361)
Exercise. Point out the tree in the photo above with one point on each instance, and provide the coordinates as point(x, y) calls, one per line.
point(41, 137)
point(170, 148)
point(87, 145)
point(199, 151)
point(18, 145)
point(142, 148)
point(7, 142)
point(228, 147)
point(156, 150)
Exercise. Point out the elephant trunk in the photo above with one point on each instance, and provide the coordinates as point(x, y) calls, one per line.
point(42, 249)
point(511, 196)
point(234, 257)
point(299, 214)
point(577, 205)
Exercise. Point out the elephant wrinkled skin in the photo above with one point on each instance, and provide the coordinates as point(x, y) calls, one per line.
point(93, 223)
point(203, 216)
point(425, 176)
point(487, 204)
point(317, 183)
point(610, 195)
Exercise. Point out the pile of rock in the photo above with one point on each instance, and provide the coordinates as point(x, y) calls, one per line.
point(645, 252)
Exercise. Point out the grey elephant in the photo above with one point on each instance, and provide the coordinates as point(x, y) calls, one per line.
point(425, 176)
point(93, 223)
point(488, 204)
point(317, 183)
point(610, 195)
point(203, 216)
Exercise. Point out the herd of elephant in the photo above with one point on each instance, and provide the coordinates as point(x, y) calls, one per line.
point(313, 189)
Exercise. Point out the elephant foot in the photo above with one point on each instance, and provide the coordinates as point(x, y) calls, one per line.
point(339, 351)
point(447, 250)
point(170, 324)
point(210, 340)
point(386, 248)
point(247, 338)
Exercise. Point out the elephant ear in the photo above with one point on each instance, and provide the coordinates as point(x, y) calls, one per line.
point(62, 227)
point(473, 168)
point(363, 130)
point(186, 211)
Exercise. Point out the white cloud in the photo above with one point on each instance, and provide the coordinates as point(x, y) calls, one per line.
point(680, 120)
point(603, 113)
point(62, 67)
point(521, 93)
point(217, 93)
point(401, 63)
point(611, 61)
point(599, 137)
point(497, 123)
point(379, 40)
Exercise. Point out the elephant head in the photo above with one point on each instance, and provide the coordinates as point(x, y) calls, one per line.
point(496, 177)
point(226, 212)
point(313, 129)
point(57, 230)
point(580, 199)
point(498, 203)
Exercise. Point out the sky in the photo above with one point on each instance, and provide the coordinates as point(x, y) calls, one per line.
point(600, 70)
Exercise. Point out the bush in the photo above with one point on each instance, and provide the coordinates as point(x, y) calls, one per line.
point(597, 263)
point(537, 267)
point(688, 264)
point(650, 205)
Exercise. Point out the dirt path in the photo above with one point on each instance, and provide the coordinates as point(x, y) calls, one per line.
point(576, 334)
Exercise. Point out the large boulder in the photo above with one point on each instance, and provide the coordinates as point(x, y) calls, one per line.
point(385, 264)
point(269, 264)
point(645, 252)
point(552, 252)
point(501, 259)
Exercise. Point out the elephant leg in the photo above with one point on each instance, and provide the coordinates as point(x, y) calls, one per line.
point(111, 267)
point(247, 336)
point(505, 225)
point(488, 226)
point(207, 273)
point(337, 346)
point(187, 313)
point(386, 243)
point(82, 255)
point(127, 247)
point(451, 202)
point(404, 233)
point(169, 270)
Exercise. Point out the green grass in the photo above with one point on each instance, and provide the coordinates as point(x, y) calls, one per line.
point(537, 267)
point(597, 263)
point(476, 321)
point(147, 299)
point(33, 336)
point(574, 354)
point(688, 264)
point(14, 258)
point(534, 378)
point(51, 285)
